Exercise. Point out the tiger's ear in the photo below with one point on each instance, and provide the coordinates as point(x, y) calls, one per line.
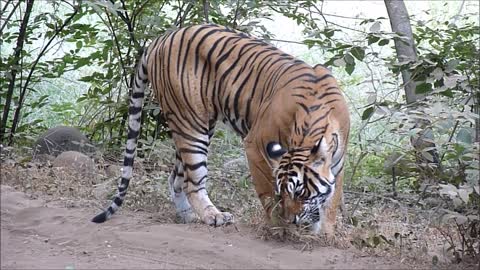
point(275, 150)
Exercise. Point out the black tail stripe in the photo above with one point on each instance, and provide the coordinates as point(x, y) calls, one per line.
point(195, 166)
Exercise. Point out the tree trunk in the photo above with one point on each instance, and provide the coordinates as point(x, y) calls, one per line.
point(15, 67)
point(406, 52)
point(400, 22)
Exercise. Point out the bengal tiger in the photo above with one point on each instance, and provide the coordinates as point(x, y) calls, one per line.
point(292, 117)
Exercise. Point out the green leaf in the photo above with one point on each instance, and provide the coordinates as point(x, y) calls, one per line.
point(367, 113)
point(81, 62)
point(423, 88)
point(383, 42)
point(447, 93)
point(79, 44)
point(372, 39)
point(349, 59)
point(329, 33)
point(358, 53)
point(349, 68)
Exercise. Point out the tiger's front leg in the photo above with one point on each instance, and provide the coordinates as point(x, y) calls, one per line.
point(329, 221)
point(193, 152)
point(263, 182)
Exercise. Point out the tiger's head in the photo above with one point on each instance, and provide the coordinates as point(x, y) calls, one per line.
point(306, 168)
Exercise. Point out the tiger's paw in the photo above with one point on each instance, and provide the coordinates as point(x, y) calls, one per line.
point(215, 218)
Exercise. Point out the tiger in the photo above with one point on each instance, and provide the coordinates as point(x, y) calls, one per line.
point(292, 117)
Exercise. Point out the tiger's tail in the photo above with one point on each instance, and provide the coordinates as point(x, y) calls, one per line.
point(134, 118)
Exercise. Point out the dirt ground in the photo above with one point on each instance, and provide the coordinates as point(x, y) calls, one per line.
point(46, 235)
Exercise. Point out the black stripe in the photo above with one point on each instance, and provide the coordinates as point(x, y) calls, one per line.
point(195, 191)
point(197, 49)
point(304, 107)
point(144, 67)
point(136, 95)
point(299, 95)
point(339, 170)
point(118, 201)
point(322, 117)
point(128, 161)
point(201, 148)
point(192, 151)
point(187, 136)
point(137, 85)
point(318, 130)
point(134, 110)
point(316, 79)
point(195, 166)
point(335, 139)
point(328, 94)
point(200, 181)
point(304, 87)
point(132, 134)
point(331, 101)
point(180, 48)
point(309, 75)
point(238, 93)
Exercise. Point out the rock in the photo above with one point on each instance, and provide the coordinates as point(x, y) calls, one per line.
point(75, 161)
point(60, 139)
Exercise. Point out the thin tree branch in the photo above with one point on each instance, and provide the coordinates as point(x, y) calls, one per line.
point(179, 13)
point(184, 16)
point(233, 23)
point(14, 69)
point(345, 17)
point(206, 7)
point(127, 21)
point(139, 9)
point(6, 5)
point(117, 44)
point(9, 16)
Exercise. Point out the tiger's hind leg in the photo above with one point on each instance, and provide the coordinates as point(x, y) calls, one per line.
point(193, 149)
point(184, 210)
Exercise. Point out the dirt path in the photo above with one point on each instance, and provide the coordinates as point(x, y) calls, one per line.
point(35, 234)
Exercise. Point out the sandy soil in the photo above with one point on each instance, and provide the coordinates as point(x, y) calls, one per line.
point(41, 235)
